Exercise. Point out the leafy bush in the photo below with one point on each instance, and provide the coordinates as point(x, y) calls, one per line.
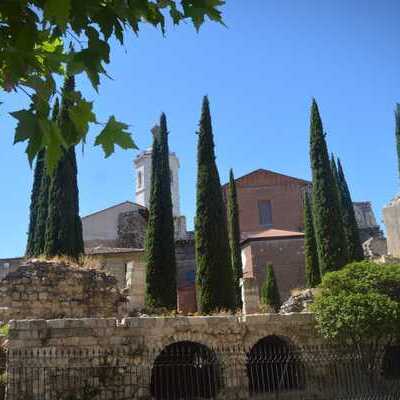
point(4, 330)
point(360, 304)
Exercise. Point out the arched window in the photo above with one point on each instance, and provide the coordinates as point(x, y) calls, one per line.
point(139, 179)
point(185, 370)
point(274, 366)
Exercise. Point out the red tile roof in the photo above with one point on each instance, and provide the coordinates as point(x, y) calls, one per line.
point(270, 234)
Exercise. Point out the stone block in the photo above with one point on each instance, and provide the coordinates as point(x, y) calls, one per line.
point(250, 295)
point(391, 217)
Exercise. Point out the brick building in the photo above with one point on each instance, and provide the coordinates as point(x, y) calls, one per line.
point(271, 225)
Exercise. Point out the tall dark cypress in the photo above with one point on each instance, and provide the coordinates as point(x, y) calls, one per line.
point(234, 239)
point(397, 133)
point(37, 179)
point(43, 205)
point(313, 276)
point(64, 227)
point(335, 173)
point(214, 271)
point(160, 242)
point(352, 233)
point(329, 232)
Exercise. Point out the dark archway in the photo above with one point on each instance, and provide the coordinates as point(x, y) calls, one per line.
point(391, 362)
point(273, 366)
point(185, 370)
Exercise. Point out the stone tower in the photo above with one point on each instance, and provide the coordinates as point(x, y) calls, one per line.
point(143, 178)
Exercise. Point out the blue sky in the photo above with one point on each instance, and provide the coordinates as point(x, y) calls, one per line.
point(260, 74)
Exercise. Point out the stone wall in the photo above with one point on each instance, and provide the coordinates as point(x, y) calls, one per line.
point(132, 228)
point(57, 290)
point(130, 347)
point(391, 217)
point(8, 265)
point(186, 275)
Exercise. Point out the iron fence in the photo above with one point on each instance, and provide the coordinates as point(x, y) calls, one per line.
point(187, 370)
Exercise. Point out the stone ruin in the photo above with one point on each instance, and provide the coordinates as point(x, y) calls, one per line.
point(43, 289)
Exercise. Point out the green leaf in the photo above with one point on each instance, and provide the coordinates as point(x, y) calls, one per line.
point(58, 11)
point(54, 142)
point(27, 125)
point(114, 133)
point(81, 115)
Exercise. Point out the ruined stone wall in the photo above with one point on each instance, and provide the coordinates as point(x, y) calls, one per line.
point(57, 290)
point(58, 349)
point(8, 265)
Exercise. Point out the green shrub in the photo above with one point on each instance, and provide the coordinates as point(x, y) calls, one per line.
point(360, 304)
point(4, 330)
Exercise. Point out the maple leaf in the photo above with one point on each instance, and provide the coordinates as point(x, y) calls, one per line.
point(114, 133)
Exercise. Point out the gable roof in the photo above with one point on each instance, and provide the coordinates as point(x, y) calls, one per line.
point(266, 171)
point(114, 206)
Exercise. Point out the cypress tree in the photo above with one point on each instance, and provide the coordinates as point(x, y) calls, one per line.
point(234, 239)
point(397, 133)
point(352, 233)
point(37, 178)
point(335, 174)
point(43, 203)
point(313, 276)
point(328, 226)
point(160, 242)
point(64, 227)
point(269, 290)
point(214, 276)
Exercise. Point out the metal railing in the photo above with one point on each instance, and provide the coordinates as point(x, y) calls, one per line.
point(187, 370)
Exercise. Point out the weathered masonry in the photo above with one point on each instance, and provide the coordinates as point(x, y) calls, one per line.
point(122, 359)
point(171, 358)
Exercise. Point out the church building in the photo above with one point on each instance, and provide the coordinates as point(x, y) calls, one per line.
point(271, 225)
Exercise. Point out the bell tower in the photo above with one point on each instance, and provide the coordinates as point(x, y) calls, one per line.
point(143, 178)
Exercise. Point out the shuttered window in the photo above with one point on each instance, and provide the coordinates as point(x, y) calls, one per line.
point(265, 212)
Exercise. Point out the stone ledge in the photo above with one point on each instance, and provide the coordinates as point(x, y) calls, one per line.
point(160, 322)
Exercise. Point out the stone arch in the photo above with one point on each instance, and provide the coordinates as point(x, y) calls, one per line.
point(274, 365)
point(185, 369)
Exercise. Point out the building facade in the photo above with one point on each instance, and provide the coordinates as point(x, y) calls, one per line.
point(271, 225)
point(269, 200)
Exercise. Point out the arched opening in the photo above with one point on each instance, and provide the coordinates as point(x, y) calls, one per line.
point(274, 366)
point(391, 362)
point(185, 370)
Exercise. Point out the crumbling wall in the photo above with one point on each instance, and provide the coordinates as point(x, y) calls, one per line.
point(41, 289)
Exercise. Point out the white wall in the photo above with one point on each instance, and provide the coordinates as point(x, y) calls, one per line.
point(103, 225)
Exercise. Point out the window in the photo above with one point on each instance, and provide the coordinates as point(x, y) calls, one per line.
point(139, 179)
point(265, 213)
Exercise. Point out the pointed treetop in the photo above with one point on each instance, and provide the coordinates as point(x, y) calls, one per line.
point(163, 124)
point(397, 133)
point(163, 119)
point(334, 168)
point(231, 177)
point(205, 112)
point(316, 118)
